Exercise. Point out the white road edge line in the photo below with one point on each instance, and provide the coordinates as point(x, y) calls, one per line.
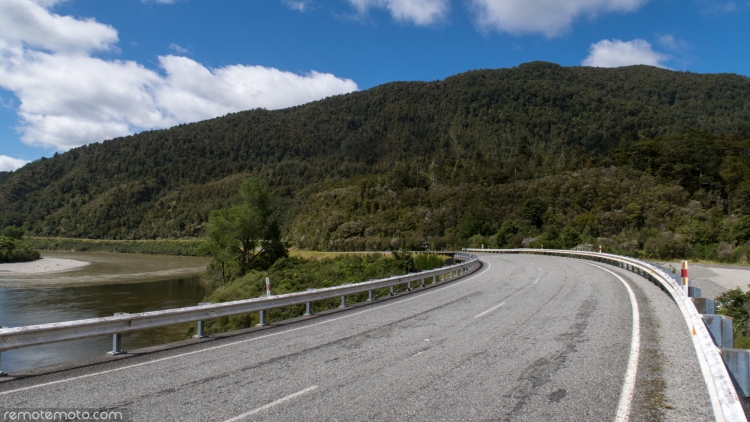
point(628, 387)
point(536, 281)
point(490, 310)
point(270, 405)
point(221, 346)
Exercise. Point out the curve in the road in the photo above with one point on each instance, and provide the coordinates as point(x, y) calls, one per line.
point(523, 339)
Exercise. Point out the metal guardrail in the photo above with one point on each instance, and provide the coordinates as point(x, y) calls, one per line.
point(724, 399)
point(17, 337)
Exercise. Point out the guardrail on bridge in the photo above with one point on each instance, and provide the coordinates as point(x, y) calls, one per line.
point(17, 337)
point(724, 399)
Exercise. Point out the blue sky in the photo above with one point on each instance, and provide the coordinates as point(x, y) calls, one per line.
point(79, 71)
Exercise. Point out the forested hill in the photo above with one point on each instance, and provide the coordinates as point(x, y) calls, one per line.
point(484, 129)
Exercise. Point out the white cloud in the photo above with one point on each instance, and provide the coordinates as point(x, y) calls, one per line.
point(191, 91)
point(717, 6)
point(548, 17)
point(24, 22)
point(178, 48)
point(69, 97)
point(10, 163)
point(298, 5)
point(616, 53)
point(669, 41)
point(420, 12)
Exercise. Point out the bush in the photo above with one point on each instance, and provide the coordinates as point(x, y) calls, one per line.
point(14, 232)
point(13, 250)
point(740, 230)
point(294, 274)
point(569, 237)
point(428, 262)
point(666, 246)
point(506, 232)
point(734, 303)
point(477, 241)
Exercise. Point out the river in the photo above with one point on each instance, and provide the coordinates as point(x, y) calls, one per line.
point(112, 282)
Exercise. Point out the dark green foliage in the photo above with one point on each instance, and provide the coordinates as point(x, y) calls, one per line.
point(533, 211)
point(736, 304)
point(404, 261)
point(569, 237)
point(643, 161)
point(483, 127)
point(507, 231)
point(14, 232)
point(191, 247)
point(428, 262)
point(290, 275)
point(244, 233)
point(14, 250)
point(740, 231)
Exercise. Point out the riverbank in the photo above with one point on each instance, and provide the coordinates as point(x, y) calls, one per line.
point(100, 268)
point(178, 247)
point(42, 266)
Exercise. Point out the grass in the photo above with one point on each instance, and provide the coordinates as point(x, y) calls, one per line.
point(701, 261)
point(740, 341)
point(321, 255)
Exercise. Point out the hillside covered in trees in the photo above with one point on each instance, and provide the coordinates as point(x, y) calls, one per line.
point(642, 160)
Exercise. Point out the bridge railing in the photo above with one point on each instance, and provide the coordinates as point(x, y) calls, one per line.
point(18, 337)
point(724, 399)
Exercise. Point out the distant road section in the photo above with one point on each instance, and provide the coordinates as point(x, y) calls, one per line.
point(526, 338)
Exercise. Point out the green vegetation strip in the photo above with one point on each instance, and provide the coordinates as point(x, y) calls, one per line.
point(295, 274)
point(191, 247)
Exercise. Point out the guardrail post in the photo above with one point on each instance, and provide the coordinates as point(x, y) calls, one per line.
point(369, 295)
point(408, 285)
point(343, 302)
point(392, 291)
point(117, 340)
point(262, 322)
point(201, 330)
point(422, 283)
point(308, 309)
point(434, 279)
point(201, 324)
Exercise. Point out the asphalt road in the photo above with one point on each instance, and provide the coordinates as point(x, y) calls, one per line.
point(526, 338)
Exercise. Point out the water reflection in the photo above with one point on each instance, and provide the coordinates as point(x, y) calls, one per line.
point(113, 283)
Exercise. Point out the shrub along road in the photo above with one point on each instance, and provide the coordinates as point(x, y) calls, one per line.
point(525, 338)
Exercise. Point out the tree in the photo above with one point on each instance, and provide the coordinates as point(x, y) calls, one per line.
point(741, 229)
point(14, 232)
point(533, 211)
point(244, 232)
point(569, 237)
point(404, 261)
point(507, 230)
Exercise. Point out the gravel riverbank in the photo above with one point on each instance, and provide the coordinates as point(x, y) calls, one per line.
point(43, 265)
